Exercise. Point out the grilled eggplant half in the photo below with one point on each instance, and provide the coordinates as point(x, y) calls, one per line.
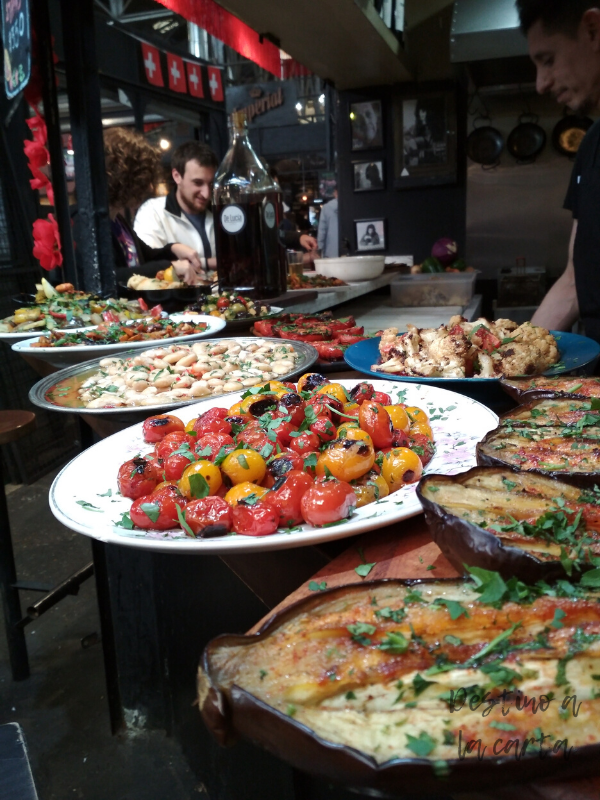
point(395, 683)
point(556, 437)
point(525, 389)
point(518, 523)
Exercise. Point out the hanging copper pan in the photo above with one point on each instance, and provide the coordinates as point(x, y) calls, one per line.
point(568, 133)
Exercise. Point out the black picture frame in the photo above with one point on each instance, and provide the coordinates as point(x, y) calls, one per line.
point(369, 176)
point(366, 125)
point(425, 128)
point(378, 235)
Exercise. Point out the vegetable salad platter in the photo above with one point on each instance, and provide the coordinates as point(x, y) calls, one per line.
point(278, 466)
point(418, 686)
point(63, 348)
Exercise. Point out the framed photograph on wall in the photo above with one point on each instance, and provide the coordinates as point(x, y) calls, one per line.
point(369, 176)
point(424, 138)
point(370, 235)
point(366, 121)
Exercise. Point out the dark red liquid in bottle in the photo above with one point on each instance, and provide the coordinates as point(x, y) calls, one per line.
point(250, 259)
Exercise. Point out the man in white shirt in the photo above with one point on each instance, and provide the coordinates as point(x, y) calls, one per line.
point(184, 214)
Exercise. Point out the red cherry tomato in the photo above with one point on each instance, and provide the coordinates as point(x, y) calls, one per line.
point(174, 466)
point(159, 512)
point(361, 392)
point(212, 421)
point(223, 302)
point(172, 442)
point(422, 445)
point(287, 496)
point(305, 443)
point(210, 516)
point(400, 439)
point(260, 519)
point(292, 405)
point(319, 406)
point(255, 438)
point(382, 398)
point(324, 428)
point(283, 432)
point(156, 428)
point(137, 477)
point(375, 420)
point(209, 445)
point(328, 501)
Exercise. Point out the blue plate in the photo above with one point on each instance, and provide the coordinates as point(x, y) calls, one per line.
point(575, 351)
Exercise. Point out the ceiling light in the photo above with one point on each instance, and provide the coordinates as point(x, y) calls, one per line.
point(298, 106)
point(70, 152)
point(352, 115)
point(304, 198)
point(322, 98)
point(164, 144)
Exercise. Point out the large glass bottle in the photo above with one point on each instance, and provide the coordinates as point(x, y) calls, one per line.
point(248, 210)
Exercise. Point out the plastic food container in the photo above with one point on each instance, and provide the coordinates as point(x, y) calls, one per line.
point(444, 289)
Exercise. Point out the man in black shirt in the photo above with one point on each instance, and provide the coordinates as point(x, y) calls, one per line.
point(564, 44)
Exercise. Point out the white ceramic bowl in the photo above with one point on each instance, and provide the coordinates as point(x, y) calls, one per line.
point(351, 268)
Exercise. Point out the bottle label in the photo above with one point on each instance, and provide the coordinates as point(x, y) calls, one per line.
point(270, 215)
point(233, 219)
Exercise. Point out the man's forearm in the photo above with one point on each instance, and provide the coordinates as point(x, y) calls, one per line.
point(559, 308)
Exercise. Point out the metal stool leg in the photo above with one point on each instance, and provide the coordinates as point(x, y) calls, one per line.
point(11, 606)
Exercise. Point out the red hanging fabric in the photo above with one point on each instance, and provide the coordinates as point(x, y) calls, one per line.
point(194, 76)
point(219, 23)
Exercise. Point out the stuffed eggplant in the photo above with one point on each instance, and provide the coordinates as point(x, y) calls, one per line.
point(521, 524)
point(556, 437)
point(524, 389)
point(395, 684)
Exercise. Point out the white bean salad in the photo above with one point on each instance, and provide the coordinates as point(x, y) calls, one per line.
point(183, 372)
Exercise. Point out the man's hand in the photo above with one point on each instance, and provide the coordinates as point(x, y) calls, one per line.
point(308, 242)
point(186, 272)
point(182, 251)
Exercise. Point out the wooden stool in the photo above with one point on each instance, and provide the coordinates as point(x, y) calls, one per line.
point(13, 425)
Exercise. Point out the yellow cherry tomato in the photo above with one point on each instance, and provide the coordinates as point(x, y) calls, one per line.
point(277, 386)
point(164, 484)
point(401, 466)
point(348, 425)
point(243, 466)
point(309, 380)
point(369, 488)
point(356, 435)
point(421, 427)
point(242, 490)
point(416, 414)
point(189, 428)
point(399, 418)
point(334, 390)
point(345, 459)
point(235, 409)
point(207, 470)
point(263, 402)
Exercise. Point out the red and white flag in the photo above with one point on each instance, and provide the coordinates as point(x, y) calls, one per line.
point(194, 77)
point(215, 84)
point(176, 73)
point(152, 66)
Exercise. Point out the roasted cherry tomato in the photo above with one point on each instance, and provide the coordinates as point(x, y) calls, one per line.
point(165, 485)
point(287, 496)
point(292, 405)
point(210, 516)
point(223, 302)
point(401, 466)
point(399, 417)
point(138, 477)
point(243, 490)
point(213, 421)
point(156, 428)
point(350, 410)
point(369, 488)
point(345, 459)
point(305, 443)
point(318, 407)
point(259, 519)
point(191, 487)
point(258, 404)
point(375, 420)
point(280, 465)
point(157, 511)
point(173, 442)
point(400, 439)
point(328, 501)
point(382, 397)
point(242, 466)
point(324, 428)
point(282, 429)
point(416, 414)
point(361, 392)
point(422, 446)
point(255, 438)
point(174, 466)
point(423, 428)
point(310, 381)
point(209, 445)
point(335, 390)
point(356, 434)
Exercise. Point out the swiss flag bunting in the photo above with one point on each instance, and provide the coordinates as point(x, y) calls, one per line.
point(176, 73)
point(194, 77)
point(152, 66)
point(215, 84)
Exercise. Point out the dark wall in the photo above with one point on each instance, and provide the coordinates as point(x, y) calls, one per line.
point(415, 217)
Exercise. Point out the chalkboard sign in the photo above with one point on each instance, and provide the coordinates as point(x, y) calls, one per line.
point(16, 39)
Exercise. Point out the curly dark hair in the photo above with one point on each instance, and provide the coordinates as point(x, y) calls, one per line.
point(131, 166)
point(556, 16)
